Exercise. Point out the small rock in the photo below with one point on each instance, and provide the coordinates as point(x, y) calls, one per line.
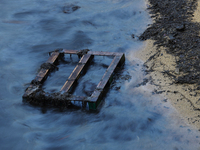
point(70, 8)
point(198, 102)
point(133, 36)
point(165, 100)
point(176, 71)
point(171, 37)
point(118, 88)
point(198, 88)
point(180, 27)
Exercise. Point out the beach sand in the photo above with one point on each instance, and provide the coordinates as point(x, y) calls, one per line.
point(185, 98)
point(180, 96)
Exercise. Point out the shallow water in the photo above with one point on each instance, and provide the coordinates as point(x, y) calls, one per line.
point(130, 118)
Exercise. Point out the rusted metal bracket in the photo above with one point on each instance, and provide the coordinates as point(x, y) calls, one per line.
point(35, 94)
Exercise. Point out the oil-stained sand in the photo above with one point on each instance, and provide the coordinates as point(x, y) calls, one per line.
point(180, 96)
point(172, 55)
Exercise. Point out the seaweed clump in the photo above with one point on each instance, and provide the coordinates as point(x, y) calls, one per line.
point(174, 29)
point(42, 98)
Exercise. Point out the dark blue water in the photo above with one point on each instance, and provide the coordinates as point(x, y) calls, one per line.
point(130, 118)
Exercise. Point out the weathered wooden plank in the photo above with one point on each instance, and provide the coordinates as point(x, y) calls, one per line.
point(105, 53)
point(94, 96)
point(66, 51)
point(41, 76)
point(94, 100)
point(122, 60)
point(54, 56)
point(30, 90)
point(97, 53)
point(85, 59)
point(108, 74)
point(67, 86)
point(76, 72)
point(77, 98)
point(43, 73)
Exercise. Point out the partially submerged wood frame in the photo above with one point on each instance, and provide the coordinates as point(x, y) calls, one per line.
point(95, 99)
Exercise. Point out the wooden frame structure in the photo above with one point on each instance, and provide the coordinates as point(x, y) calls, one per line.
point(94, 100)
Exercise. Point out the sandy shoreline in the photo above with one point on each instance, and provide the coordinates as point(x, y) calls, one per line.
point(183, 97)
point(178, 95)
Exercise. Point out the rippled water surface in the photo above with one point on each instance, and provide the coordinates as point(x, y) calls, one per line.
point(130, 117)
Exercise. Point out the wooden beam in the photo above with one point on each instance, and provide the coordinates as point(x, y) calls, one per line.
point(66, 51)
point(106, 80)
point(76, 73)
point(105, 53)
point(43, 73)
point(53, 58)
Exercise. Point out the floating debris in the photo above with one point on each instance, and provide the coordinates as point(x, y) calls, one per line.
point(35, 94)
point(70, 8)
